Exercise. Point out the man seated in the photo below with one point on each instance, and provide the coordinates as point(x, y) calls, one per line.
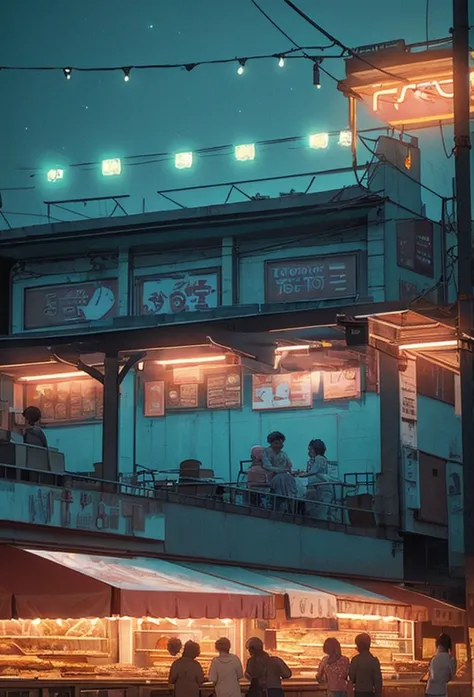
point(33, 433)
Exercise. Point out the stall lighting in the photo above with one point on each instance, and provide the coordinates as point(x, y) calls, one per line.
point(53, 376)
point(36, 622)
point(366, 618)
point(141, 365)
point(202, 359)
point(94, 621)
point(448, 343)
point(296, 347)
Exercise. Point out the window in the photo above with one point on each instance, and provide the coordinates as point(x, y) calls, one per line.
point(433, 490)
point(434, 381)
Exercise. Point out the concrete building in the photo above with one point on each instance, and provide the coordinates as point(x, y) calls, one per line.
point(155, 339)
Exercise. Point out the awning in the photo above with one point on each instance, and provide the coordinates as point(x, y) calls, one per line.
point(355, 600)
point(301, 601)
point(43, 584)
point(144, 587)
point(34, 587)
point(439, 612)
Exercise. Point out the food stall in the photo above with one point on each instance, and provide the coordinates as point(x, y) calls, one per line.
point(76, 623)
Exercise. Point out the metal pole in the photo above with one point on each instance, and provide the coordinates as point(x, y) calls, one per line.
point(465, 280)
point(110, 423)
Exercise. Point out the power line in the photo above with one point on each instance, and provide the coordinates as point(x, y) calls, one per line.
point(336, 42)
point(295, 44)
point(188, 67)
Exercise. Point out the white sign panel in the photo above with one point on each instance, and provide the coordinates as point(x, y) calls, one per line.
point(411, 474)
point(183, 291)
point(312, 605)
point(408, 401)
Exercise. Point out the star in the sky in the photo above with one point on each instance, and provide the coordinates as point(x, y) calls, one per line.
point(151, 26)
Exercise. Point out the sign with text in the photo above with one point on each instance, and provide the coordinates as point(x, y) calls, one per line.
point(341, 384)
point(71, 400)
point(154, 398)
point(284, 391)
point(311, 278)
point(408, 399)
point(182, 291)
point(411, 474)
point(224, 389)
point(53, 306)
point(415, 246)
point(312, 604)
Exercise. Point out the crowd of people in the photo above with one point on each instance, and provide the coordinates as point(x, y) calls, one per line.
point(271, 472)
point(361, 676)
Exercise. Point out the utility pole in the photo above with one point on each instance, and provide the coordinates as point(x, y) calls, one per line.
point(465, 298)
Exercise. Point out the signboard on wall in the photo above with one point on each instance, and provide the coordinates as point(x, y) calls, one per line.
point(56, 305)
point(71, 400)
point(155, 398)
point(341, 384)
point(411, 475)
point(408, 398)
point(182, 291)
point(284, 391)
point(311, 278)
point(312, 605)
point(415, 246)
point(224, 390)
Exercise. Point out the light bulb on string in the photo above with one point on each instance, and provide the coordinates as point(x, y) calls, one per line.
point(241, 68)
point(281, 62)
point(67, 73)
point(316, 76)
point(126, 74)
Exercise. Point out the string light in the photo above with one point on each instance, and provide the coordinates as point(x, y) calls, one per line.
point(319, 141)
point(126, 74)
point(112, 167)
point(316, 76)
point(345, 139)
point(241, 68)
point(245, 153)
point(281, 62)
point(67, 73)
point(54, 175)
point(183, 160)
point(186, 159)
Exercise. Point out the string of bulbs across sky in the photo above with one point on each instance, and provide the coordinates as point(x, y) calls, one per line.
point(246, 152)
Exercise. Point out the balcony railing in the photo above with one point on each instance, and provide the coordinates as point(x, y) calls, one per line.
point(339, 503)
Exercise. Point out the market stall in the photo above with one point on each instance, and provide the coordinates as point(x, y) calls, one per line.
point(79, 618)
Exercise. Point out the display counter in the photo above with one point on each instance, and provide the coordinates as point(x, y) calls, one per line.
point(148, 688)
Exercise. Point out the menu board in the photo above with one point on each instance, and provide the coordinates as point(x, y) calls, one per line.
point(74, 400)
point(341, 384)
point(311, 278)
point(155, 398)
point(224, 389)
point(205, 388)
point(415, 246)
point(282, 391)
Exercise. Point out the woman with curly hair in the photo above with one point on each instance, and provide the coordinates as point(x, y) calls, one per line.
point(334, 669)
point(274, 458)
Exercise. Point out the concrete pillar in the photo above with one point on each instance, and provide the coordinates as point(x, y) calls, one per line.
point(390, 477)
point(124, 290)
point(227, 272)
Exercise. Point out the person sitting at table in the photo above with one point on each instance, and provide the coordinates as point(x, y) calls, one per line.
point(33, 433)
point(257, 476)
point(283, 487)
point(317, 473)
point(274, 458)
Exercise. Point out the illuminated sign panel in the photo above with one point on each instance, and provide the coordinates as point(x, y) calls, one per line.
point(408, 89)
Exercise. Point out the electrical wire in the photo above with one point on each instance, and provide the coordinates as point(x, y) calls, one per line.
point(295, 44)
point(342, 46)
point(189, 66)
point(443, 142)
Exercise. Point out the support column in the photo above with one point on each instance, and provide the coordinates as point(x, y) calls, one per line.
point(389, 481)
point(227, 272)
point(110, 424)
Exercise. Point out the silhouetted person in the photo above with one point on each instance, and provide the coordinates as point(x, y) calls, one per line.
point(33, 433)
point(364, 671)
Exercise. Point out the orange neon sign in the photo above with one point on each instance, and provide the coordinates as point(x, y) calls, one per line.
point(406, 88)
